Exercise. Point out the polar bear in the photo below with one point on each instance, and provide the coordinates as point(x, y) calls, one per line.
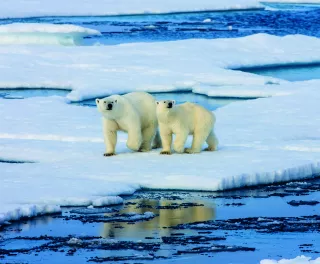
point(134, 113)
point(183, 120)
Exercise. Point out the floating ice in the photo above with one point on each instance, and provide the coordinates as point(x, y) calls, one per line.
point(258, 144)
point(198, 65)
point(75, 241)
point(43, 34)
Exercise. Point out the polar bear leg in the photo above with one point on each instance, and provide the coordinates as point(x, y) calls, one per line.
point(134, 138)
point(198, 139)
point(166, 139)
point(180, 141)
point(212, 142)
point(147, 137)
point(134, 132)
point(110, 136)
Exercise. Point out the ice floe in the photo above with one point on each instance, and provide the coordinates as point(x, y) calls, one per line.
point(262, 141)
point(199, 65)
point(43, 34)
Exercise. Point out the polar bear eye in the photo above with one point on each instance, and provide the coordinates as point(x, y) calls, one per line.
point(164, 101)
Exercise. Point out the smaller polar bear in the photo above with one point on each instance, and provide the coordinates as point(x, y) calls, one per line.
point(183, 120)
point(134, 113)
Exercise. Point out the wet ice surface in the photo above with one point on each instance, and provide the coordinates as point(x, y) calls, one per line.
point(182, 227)
point(285, 20)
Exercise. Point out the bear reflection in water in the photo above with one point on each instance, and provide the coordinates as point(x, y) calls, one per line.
point(169, 213)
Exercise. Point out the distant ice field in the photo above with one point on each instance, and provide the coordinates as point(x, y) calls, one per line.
point(276, 19)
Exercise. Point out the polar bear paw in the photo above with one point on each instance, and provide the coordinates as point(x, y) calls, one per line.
point(109, 154)
point(210, 149)
point(144, 149)
point(165, 152)
point(190, 151)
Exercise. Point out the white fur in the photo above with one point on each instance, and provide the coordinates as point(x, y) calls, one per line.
point(134, 113)
point(183, 120)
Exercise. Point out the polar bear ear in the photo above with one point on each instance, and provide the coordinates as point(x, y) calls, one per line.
point(97, 101)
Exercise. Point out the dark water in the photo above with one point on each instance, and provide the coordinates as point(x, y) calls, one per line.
point(242, 226)
point(180, 97)
point(289, 73)
point(280, 20)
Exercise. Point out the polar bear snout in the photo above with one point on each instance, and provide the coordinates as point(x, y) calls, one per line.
point(170, 104)
point(109, 106)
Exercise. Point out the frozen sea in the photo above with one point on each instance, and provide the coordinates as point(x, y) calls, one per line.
point(94, 224)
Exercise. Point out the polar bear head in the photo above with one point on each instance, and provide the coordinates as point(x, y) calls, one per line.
point(110, 107)
point(165, 105)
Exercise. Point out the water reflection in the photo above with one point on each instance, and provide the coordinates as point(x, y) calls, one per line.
point(32, 223)
point(165, 218)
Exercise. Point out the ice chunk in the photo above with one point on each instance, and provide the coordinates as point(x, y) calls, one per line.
point(43, 34)
point(108, 200)
point(74, 241)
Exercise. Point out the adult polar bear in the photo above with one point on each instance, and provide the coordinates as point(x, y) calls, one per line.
point(134, 113)
point(183, 120)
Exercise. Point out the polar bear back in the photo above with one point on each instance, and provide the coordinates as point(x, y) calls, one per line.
point(145, 104)
point(186, 116)
point(194, 116)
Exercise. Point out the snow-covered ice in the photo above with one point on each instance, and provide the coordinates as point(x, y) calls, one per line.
point(298, 260)
point(198, 65)
point(45, 28)
point(49, 34)
point(36, 8)
point(261, 141)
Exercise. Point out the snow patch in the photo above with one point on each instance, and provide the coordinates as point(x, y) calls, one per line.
point(43, 34)
point(298, 260)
